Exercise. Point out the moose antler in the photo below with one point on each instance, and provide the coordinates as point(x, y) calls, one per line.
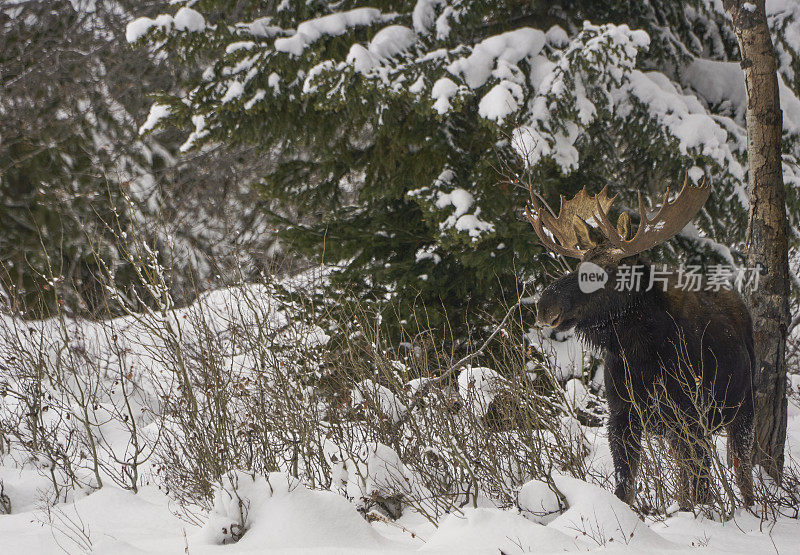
point(668, 221)
point(570, 229)
point(572, 236)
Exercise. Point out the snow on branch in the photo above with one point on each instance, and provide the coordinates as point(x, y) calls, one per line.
point(185, 19)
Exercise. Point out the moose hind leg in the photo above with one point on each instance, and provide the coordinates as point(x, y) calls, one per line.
point(679, 452)
point(625, 437)
point(740, 453)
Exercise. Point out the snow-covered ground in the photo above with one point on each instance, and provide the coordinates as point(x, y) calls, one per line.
point(279, 513)
point(289, 518)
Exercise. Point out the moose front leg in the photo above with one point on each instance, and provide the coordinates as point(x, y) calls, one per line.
point(625, 440)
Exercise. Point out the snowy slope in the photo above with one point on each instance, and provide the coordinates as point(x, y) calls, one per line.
point(281, 514)
point(306, 521)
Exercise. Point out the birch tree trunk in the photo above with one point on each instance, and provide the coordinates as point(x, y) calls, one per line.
point(767, 229)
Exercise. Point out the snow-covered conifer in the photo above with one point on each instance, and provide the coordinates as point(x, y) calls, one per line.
point(406, 133)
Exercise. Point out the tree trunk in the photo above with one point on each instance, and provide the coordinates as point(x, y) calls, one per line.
point(767, 229)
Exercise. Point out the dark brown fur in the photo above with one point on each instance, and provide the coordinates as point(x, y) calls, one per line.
point(677, 362)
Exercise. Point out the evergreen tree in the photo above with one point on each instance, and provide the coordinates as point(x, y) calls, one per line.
point(406, 133)
point(77, 181)
point(68, 146)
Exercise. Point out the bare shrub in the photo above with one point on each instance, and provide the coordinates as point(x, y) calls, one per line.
point(688, 462)
point(252, 378)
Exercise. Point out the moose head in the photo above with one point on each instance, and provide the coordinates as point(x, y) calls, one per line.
point(584, 231)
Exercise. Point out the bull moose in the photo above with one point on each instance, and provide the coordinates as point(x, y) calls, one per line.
point(676, 362)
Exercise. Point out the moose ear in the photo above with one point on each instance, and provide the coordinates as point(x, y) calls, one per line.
point(624, 226)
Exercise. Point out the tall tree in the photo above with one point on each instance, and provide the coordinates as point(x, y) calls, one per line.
point(767, 232)
point(389, 120)
point(72, 95)
point(67, 142)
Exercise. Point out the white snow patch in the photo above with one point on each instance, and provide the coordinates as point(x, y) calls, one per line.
point(186, 19)
point(260, 28)
point(333, 24)
point(361, 59)
point(784, 21)
point(503, 99)
point(461, 199)
point(599, 514)
point(538, 502)
point(684, 117)
point(576, 394)
point(556, 36)
point(424, 14)
point(442, 91)
point(417, 86)
point(239, 45)
point(385, 474)
point(538, 138)
point(427, 253)
point(319, 69)
point(235, 90)
point(199, 132)
point(478, 386)
point(695, 174)
point(720, 83)
point(790, 105)
point(443, 26)
point(368, 391)
point(473, 225)
point(138, 28)
point(274, 81)
point(484, 530)
point(157, 113)
point(257, 97)
point(565, 354)
point(391, 41)
point(497, 53)
point(279, 512)
point(530, 143)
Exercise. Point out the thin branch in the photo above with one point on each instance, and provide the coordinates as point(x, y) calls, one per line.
point(447, 374)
